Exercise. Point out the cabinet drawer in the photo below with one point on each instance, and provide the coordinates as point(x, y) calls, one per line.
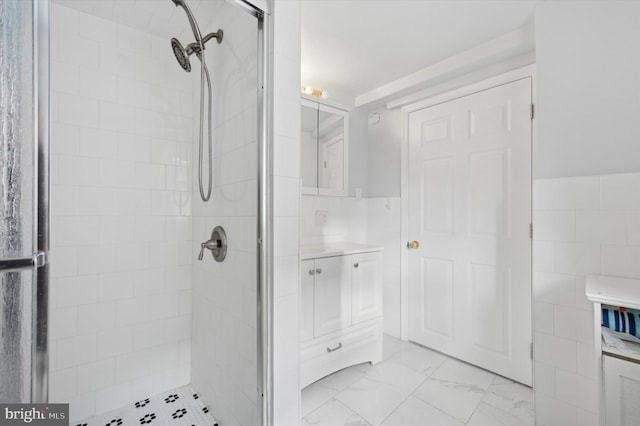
point(353, 345)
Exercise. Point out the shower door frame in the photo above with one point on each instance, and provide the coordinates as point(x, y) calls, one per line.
point(261, 10)
point(38, 262)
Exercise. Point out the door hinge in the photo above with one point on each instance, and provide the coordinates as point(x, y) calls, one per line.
point(531, 231)
point(531, 350)
point(533, 111)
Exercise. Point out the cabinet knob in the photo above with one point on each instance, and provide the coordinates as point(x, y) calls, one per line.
point(312, 272)
point(318, 271)
point(355, 265)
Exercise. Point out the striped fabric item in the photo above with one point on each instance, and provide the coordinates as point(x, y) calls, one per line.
point(622, 320)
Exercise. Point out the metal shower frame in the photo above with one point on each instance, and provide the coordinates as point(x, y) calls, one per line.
point(261, 10)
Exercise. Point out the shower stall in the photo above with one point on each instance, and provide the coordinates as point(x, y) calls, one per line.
point(136, 303)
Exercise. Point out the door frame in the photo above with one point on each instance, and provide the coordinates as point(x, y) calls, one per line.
point(508, 77)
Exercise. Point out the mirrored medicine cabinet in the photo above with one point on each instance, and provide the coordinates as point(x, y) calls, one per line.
point(324, 150)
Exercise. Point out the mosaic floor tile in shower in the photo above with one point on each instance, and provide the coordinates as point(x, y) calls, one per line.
point(177, 407)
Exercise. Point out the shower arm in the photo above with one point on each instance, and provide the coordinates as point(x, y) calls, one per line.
point(195, 47)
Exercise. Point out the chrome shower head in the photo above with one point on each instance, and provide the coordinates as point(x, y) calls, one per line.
point(181, 54)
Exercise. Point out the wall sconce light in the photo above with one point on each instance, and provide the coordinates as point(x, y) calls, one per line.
point(321, 94)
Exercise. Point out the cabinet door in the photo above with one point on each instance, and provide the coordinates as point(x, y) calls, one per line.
point(366, 286)
point(308, 271)
point(332, 294)
point(622, 391)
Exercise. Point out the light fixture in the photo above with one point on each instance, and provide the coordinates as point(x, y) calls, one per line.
point(309, 90)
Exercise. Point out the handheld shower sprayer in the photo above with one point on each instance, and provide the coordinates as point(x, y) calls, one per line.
point(182, 56)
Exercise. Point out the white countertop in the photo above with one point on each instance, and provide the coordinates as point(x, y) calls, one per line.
point(613, 291)
point(314, 251)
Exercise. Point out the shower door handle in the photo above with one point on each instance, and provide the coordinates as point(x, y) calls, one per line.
point(38, 260)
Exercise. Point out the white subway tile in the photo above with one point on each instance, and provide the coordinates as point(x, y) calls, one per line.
point(149, 335)
point(96, 317)
point(97, 259)
point(96, 201)
point(554, 288)
point(78, 50)
point(544, 379)
point(116, 61)
point(621, 191)
point(574, 324)
point(113, 397)
point(587, 359)
point(178, 178)
point(132, 256)
point(115, 342)
point(77, 171)
point(64, 139)
point(178, 329)
point(64, 261)
point(133, 40)
point(98, 143)
point(555, 351)
point(116, 173)
point(544, 194)
point(96, 375)
point(601, 227)
point(64, 77)
point(149, 176)
point(543, 317)
point(64, 323)
point(576, 390)
point(150, 71)
point(63, 384)
point(118, 118)
point(134, 148)
point(97, 84)
point(579, 193)
point(149, 123)
point(75, 351)
point(588, 417)
point(554, 226)
point(553, 412)
point(578, 258)
point(98, 29)
point(64, 200)
point(621, 261)
point(64, 19)
point(132, 92)
point(78, 111)
point(148, 281)
point(81, 406)
point(116, 229)
point(133, 202)
point(80, 290)
point(77, 230)
point(115, 286)
point(286, 196)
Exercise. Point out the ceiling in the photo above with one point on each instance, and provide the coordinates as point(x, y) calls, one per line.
point(352, 47)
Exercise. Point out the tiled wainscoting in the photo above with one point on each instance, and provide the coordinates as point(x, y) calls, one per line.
point(582, 225)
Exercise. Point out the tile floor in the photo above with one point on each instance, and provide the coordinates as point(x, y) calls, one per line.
point(415, 386)
point(179, 407)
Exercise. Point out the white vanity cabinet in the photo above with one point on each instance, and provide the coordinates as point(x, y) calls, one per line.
point(340, 309)
point(621, 390)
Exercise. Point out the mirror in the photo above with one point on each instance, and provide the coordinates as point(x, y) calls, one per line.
point(324, 148)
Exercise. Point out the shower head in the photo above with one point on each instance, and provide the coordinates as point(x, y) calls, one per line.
point(181, 54)
point(192, 19)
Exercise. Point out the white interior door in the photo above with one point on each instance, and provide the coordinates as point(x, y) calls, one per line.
point(470, 210)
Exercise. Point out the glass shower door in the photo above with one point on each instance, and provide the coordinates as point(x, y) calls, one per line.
point(23, 200)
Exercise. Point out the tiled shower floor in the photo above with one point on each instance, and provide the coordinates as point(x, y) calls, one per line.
point(177, 407)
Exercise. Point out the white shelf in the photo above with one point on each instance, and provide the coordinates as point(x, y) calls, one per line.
point(613, 291)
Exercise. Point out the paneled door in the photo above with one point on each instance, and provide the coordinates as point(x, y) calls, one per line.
point(470, 212)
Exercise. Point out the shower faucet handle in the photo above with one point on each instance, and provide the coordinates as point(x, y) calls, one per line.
point(217, 244)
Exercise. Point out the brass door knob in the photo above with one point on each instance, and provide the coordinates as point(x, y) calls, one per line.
point(413, 245)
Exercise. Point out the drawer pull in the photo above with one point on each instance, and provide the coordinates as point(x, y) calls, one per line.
point(334, 349)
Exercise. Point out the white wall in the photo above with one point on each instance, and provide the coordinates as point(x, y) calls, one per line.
point(358, 152)
point(286, 205)
point(383, 142)
point(588, 88)
point(120, 220)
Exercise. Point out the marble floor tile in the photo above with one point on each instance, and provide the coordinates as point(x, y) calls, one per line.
point(487, 415)
point(420, 359)
point(395, 374)
point(454, 398)
point(456, 371)
point(313, 396)
point(333, 413)
point(372, 400)
point(414, 412)
point(512, 398)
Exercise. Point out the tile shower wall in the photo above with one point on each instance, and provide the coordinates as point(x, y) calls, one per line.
point(582, 225)
point(121, 228)
point(224, 350)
